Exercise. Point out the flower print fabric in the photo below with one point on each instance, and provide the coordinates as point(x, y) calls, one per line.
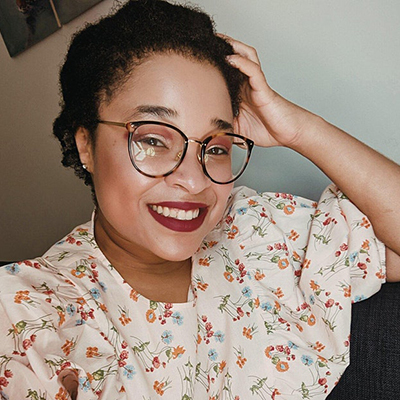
point(268, 316)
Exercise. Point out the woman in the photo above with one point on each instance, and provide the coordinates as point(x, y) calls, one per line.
point(180, 286)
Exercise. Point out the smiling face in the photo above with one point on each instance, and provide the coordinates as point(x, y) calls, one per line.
point(159, 218)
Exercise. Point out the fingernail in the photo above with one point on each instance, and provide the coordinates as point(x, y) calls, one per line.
point(230, 61)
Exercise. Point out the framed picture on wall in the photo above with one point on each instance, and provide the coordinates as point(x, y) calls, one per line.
point(24, 23)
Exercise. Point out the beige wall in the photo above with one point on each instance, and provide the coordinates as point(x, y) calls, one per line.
point(339, 59)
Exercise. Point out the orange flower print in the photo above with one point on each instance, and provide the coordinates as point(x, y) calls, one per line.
point(150, 316)
point(205, 262)
point(125, 320)
point(283, 263)
point(268, 351)
point(293, 235)
point(296, 256)
point(77, 274)
point(241, 361)
point(277, 306)
point(365, 245)
point(247, 333)
point(81, 301)
point(299, 327)
point(288, 209)
point(62, 394)
point(347, 291)
point(222, 365)
point(202, 286)
point(177, 352)
point(134, 295)
point(256, 302)
point(199, 339)
point(380, 274)
point(158, 387)
point(228, 276)
point(306, 263)
point(89, 377)
point(20, 296)
point(318, 346)
point(282, 366)
point(233, 232)
point(92, 352)
point(279, 293)
point(313, 285)
point(103, 307)
point(67, 347)
point(365, 223)
point(258, 276)
point(252, 202)
point(311, 320)
point(61, 317)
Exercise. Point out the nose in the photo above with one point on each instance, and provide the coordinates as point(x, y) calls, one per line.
point(189, 175)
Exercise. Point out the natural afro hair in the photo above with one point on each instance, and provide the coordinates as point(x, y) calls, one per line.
point(102, 56)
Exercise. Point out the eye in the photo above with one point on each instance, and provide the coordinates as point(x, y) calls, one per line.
point(152, 141)
point(217, 151)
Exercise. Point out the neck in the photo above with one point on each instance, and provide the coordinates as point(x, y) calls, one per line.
point(151, 276)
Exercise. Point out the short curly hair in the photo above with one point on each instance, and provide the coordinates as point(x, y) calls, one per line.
point(102, 55)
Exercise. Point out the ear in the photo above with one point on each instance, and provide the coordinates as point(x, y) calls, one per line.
point(85, 148)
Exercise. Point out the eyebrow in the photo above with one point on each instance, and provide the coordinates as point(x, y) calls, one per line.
point(163, 112)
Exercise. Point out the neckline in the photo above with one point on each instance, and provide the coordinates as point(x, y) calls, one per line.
point(191, 296)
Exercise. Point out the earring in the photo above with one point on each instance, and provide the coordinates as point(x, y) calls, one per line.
point(84, 166)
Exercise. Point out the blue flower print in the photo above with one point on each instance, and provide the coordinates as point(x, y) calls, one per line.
point(219, 336)
point(241, 210)
point(212, 354)
point(103, 286)
point(167, 337)
point(84, 384)
point(70, 310)
point(307, 360)
point(129, 371)
point(353, 256)
point(178, 318)
point(293, 346)
point(246, 291)
point(266, 306)
point(312, 300)
point(359, 298)
point(13, 269)
point(80, 322)
point(95, 293)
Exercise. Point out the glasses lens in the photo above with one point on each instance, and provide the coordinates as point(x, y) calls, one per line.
point(156, 149)
point(226, 157)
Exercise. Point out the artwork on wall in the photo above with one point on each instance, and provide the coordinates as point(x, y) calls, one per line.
point(26, 22)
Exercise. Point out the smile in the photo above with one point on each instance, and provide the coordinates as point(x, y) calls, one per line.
point(179, 216)
point(182, 215)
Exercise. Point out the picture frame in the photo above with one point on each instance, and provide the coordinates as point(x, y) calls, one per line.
point(23, 23)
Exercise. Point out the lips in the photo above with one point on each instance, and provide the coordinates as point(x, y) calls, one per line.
point(179, 216)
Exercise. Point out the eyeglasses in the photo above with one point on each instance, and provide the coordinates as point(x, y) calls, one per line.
point(156, 149)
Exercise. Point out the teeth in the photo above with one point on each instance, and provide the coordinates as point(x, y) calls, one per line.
point(176, 212)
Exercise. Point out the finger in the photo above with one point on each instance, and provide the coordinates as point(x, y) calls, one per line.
point(242, 48)
point(251, 69)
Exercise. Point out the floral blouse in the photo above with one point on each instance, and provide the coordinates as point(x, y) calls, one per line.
point(267, 317)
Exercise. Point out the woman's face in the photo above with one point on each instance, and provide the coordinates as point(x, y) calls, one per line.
point(191, 96)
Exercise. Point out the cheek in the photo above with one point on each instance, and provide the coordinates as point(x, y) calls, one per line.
point(114, 176)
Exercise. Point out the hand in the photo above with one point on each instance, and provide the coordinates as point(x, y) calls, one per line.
point(265, 116)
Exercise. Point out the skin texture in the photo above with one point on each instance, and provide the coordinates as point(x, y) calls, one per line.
point(155, 260)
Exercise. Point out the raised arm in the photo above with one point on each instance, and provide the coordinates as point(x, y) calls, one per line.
point(370, 180)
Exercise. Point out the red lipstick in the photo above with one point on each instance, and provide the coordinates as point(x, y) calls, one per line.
point(176, 224)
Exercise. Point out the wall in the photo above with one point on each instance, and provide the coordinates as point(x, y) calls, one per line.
point(338, 59)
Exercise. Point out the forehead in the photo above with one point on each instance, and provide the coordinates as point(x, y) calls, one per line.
point(188, 88)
